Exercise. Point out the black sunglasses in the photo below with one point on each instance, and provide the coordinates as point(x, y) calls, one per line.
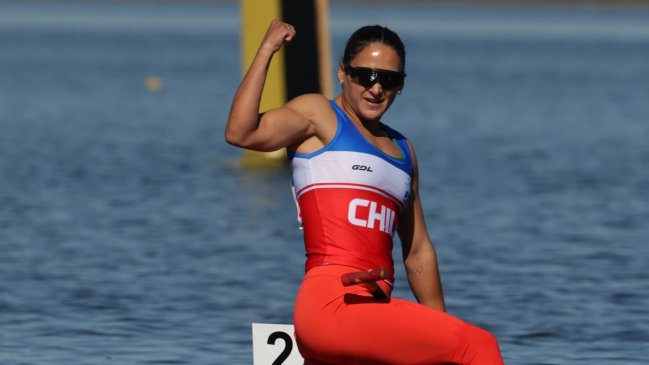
point(367, 77)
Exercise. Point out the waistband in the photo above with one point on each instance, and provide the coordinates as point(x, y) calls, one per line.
point(332, 274)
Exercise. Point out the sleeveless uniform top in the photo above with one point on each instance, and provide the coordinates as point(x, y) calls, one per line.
point(349, 195)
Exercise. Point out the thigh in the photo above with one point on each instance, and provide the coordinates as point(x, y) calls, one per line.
point(399, 332)
point(347, 326)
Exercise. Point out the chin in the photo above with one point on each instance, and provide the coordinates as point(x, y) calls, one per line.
point(372, 117)
point(373, 113)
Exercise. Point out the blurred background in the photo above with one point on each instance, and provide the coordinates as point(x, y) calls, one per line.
point(130, 233)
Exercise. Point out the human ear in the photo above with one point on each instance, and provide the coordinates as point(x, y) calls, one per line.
point(341, 73)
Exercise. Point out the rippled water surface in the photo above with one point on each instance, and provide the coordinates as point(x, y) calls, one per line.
point(129, 234)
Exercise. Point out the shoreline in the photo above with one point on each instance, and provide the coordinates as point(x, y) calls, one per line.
point(486, 3)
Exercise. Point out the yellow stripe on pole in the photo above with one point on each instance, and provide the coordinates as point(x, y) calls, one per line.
point(256, 15)
point(302, 67)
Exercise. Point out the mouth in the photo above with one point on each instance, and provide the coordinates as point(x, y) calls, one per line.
point(373, 102)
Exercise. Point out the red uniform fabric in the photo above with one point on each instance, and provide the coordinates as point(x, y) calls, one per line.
point(346, 325)
point(349, 196)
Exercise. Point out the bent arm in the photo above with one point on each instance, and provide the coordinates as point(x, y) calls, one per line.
point(277, 128)
point(419, 255)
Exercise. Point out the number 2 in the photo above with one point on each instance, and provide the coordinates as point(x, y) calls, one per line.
point(288, 346)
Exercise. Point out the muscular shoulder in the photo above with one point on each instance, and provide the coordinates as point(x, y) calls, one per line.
point(310, 105)
point(317, 109)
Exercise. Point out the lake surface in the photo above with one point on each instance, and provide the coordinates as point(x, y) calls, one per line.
point(129, 233)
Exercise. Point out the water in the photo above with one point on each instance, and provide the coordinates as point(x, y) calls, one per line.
point(129, 235)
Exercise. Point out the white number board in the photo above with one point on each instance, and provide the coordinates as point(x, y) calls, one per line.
point(274, 344)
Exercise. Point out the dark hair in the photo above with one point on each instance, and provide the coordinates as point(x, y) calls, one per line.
point(369, 34)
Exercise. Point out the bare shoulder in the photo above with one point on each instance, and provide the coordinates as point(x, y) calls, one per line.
point(317, 109)
point(312, 106)
point(412, 149)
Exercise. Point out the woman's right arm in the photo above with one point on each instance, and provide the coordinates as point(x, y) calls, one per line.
point(276, 128)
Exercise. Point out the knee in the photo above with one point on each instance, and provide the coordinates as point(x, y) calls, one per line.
point(477, 346)
point(481, 338)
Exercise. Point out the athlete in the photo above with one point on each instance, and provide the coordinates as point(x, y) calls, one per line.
point(355, 181)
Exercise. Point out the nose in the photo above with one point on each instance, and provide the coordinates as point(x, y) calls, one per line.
point(376, 88)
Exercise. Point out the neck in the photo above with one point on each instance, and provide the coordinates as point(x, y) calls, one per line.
point(373, 126)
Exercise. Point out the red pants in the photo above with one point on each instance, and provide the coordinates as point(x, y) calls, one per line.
point(345, 325)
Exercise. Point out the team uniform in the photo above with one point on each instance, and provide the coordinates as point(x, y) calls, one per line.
point(349, 195)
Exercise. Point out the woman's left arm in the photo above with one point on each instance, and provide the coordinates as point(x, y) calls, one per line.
point(419, 255)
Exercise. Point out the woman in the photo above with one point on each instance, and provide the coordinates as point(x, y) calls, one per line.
point(354, 179)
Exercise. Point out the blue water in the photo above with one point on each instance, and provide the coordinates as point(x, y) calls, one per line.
point(130, 235)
